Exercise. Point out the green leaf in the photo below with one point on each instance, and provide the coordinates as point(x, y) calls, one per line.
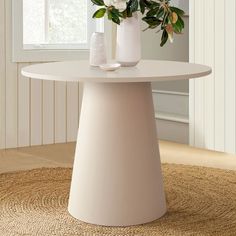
point(115, 19)
point(178, 26)
point(178, 11)
point(124, 14)
point(160, 13)
point(129, 12)
point(164, 38)
point(116, 12)
point(142, 6)
point(109, 15)
point(153, 4)
point(98, 2)
point(153, 22)
point(115, 16)
point(131, 5)
point(99, 13)
point(181, 22)
point(152, 12)
point(145, 4)
point(134, 5)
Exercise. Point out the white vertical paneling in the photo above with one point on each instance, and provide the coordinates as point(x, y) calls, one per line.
point(23, 108)
point(11, 85)
point(2, 75)
point(72, 111)
point(48, 112)
point(32, 112)
point(209, 112)
point(230, 63)
point(199, 85)
point(36, 112)
point(219, 101)
point(192, 82)
point(219, 74)
point(60, 112)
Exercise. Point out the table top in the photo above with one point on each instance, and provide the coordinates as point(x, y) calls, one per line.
point(145, 71)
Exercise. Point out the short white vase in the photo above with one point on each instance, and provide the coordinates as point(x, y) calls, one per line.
point(128, 45)
point(97, 49)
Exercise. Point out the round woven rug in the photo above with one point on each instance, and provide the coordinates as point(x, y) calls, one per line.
point(201, 201)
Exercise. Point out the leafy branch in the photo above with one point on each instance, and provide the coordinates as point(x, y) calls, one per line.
point(158, 14)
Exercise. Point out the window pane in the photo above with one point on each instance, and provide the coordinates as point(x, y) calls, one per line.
point(55, 21)
point(67, 21)
point(34, 21)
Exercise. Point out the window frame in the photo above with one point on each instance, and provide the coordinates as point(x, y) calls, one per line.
point(46, 53)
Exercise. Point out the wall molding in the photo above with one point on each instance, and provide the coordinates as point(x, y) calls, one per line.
point(171, 117)
point(171, 102)
point(170, 92)
point(171, 113)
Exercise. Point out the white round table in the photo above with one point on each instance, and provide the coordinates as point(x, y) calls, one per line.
point(117, 178)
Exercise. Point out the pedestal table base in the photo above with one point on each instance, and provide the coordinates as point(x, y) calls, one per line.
point(117, 178)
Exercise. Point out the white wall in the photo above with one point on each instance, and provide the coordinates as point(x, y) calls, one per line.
point(213, 99)
point(32, 112)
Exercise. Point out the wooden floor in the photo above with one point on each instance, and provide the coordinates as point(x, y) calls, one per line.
point(61, 155)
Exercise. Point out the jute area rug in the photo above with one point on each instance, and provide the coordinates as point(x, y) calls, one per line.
point(201, 201)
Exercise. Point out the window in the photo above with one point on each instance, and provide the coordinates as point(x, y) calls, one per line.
point(56, 24)
point(48, 30)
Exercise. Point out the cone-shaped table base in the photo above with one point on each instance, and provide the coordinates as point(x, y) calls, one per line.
point(117, 178)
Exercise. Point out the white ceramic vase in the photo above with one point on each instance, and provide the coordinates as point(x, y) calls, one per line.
point(128, 47)
point(97, 49)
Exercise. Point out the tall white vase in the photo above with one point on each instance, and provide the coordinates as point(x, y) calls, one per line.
point(128, 47)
